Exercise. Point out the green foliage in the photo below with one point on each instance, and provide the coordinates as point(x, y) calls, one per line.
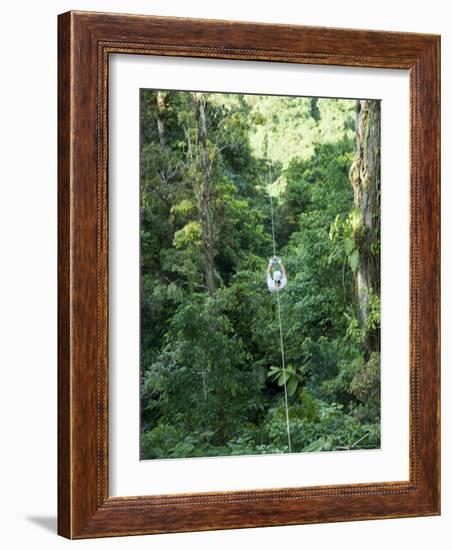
point(211, 375)
point(190, 234)
point(289, 375)
point(345, 233)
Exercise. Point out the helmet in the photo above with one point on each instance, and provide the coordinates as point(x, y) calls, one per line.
point(277, 275)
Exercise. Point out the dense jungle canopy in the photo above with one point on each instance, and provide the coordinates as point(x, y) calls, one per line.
point(211, 376)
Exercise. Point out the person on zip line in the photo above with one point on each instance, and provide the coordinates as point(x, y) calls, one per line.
point(276, 274)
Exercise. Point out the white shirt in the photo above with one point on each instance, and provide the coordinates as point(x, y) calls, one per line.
point(272, 286)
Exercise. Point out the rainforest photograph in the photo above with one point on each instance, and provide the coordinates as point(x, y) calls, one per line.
point(259, 274)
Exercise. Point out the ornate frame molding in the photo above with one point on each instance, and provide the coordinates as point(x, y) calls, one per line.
point(85, 42)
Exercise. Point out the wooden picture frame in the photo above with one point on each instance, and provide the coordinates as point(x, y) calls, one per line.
point(85, 42)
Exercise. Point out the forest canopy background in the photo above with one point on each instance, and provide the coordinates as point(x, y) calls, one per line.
point(211, 376)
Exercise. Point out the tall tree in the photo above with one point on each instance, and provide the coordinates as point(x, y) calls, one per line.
point(365, 180)
point(205, 194)
point(160, 117)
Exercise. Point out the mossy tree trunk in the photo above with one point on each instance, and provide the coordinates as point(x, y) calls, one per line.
point(365, 180)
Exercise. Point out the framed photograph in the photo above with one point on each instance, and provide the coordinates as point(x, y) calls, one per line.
point(248, 275)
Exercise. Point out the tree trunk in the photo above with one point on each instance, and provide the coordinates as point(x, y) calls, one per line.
point(160, 123)
point(205, 197)
point(365, 180)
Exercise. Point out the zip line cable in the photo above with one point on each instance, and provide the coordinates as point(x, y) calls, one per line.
point(281, 340)
point(273, 225)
